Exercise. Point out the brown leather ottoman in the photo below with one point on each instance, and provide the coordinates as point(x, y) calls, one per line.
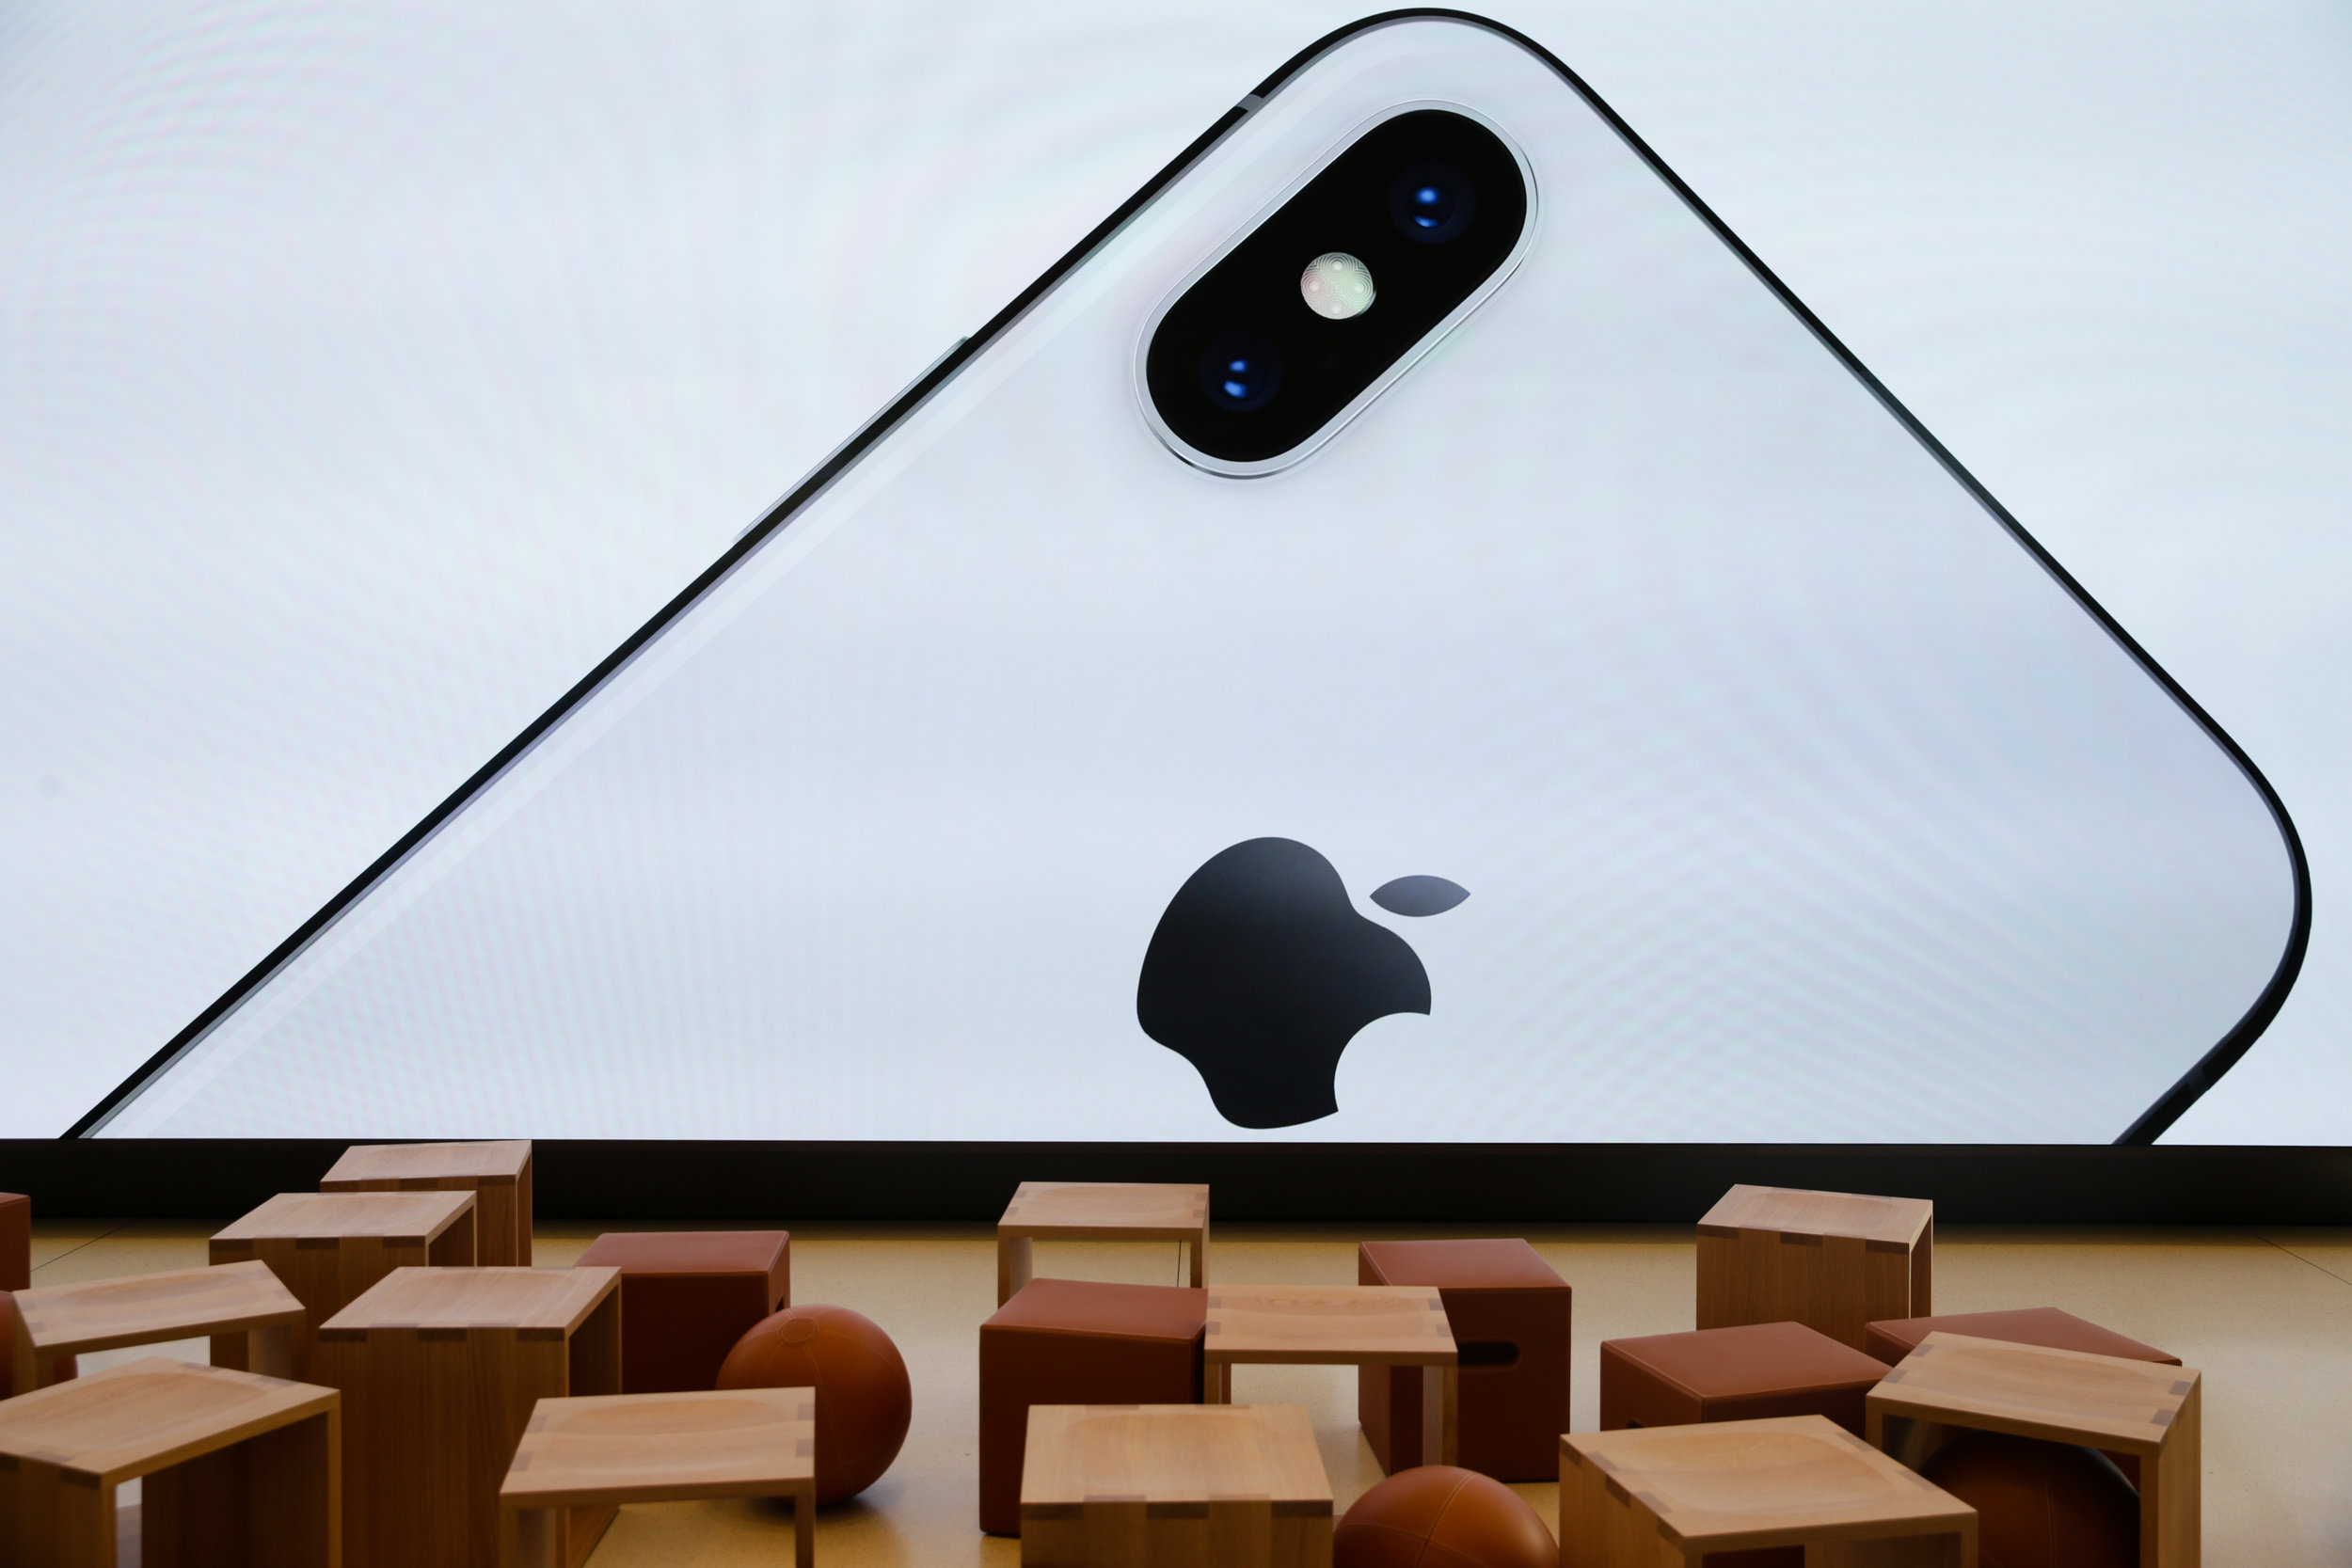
point(686, 1296)
point(1510, 1314)
point(16, 1242)
point(1733, 1374)
point(68, 1366)
point(16, 1274)
point(2047, 1326)
point(1068, 1341)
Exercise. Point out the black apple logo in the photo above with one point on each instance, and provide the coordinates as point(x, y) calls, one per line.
point(1262, 971)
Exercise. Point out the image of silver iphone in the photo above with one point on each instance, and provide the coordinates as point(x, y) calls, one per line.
point(1410, 633)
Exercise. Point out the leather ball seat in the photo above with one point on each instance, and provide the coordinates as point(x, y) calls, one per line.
point(2039, 1504)
point(1442, 1516)
point(863, 1401)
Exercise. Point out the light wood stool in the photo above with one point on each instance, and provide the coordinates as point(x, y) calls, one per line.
point(1173, 1486)
point(238, 1469)
point(2141, 1408)
point(243, 1300)
point(655, 1448)
point(1667, 1496)
point(1099, 1211)
point(440, 1369)
point(1346, 1325)
point(1833, 1262)
point(328, 1248)
point(497, 1174)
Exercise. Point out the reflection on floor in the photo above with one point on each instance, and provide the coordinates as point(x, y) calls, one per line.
point(2266, 1316)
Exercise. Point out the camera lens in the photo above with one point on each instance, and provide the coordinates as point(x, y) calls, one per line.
point(1431, 201)
point(1241, 370)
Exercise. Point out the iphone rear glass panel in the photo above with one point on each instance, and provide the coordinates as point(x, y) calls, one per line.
point(1728, 769)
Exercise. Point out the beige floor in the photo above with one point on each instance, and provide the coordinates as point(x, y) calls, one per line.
point(2265, 1315)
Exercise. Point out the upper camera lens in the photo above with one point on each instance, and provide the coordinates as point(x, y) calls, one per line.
point(1241, 370)
point(1431, 201)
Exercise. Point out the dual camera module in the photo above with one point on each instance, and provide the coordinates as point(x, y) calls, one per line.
point(1312, 307)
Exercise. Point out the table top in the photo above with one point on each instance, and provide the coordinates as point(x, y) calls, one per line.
point(478, 1161)
point(1734, 1485)
point(541, 1299)
point(1172, 1453)
point(402, 1219)
point(144, 1310)
point(1107, 1211)
point(1882, 1222)
point(136, 1419)
point(2108, 1401)
point(665, 1447)
point(1363, 1325)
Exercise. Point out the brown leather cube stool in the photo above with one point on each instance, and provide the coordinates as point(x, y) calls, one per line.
point(67, 1367)
point(16, 1242)
point(686, 1296)
point(1734, 1374)
point(2047, 1326)
point(1510, 1315)
point(1067, 1342)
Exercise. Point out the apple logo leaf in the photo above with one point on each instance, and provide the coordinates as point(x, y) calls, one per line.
point(1419, 896)
point(1261, 972)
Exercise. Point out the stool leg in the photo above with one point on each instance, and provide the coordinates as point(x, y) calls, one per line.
point(1216, 1384)
point(48, 1522)
point(1440, 1415)
point(804, 1526)
point(538, 1538)
point(1013, 1253)
point(1200, 1245)
point(270, 1351)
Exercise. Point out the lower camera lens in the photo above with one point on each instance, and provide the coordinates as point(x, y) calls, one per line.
point(1241, 370)
point(1431, 201)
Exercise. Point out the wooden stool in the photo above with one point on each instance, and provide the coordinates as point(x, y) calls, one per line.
point(1509, 1314)
point(686, 1296)
point(1348, 1326)
point(1733, 1374)
point(440, 1369)
point(1658, 1496)
point(1068, 1341)
point(1099, 1211)
point(497, 1174)
point(601, 1452)
point(242, 1300)
point(238, 1469)
point(1127, 1486)
point(1833, 1262)
point(328, 1248)
point(2142, 1408)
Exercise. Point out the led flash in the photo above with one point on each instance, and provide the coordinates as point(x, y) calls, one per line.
point(1336, 286)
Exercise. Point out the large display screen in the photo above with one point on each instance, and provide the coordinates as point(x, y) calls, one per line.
point(1630, 724)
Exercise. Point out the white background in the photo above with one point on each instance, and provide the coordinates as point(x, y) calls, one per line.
point(336, 439)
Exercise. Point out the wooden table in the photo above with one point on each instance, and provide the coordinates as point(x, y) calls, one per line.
point(497, 1174)
point(1833, 1262)
point(657, 1449)
point(2142, 1408)
point(328, 1248)
point(243, 1300)
point(1655, 1497)
point(440, 1369)
point(1173, 1486)
point(238, 1469)
point(1347, 1325)
point(1100, 1212)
